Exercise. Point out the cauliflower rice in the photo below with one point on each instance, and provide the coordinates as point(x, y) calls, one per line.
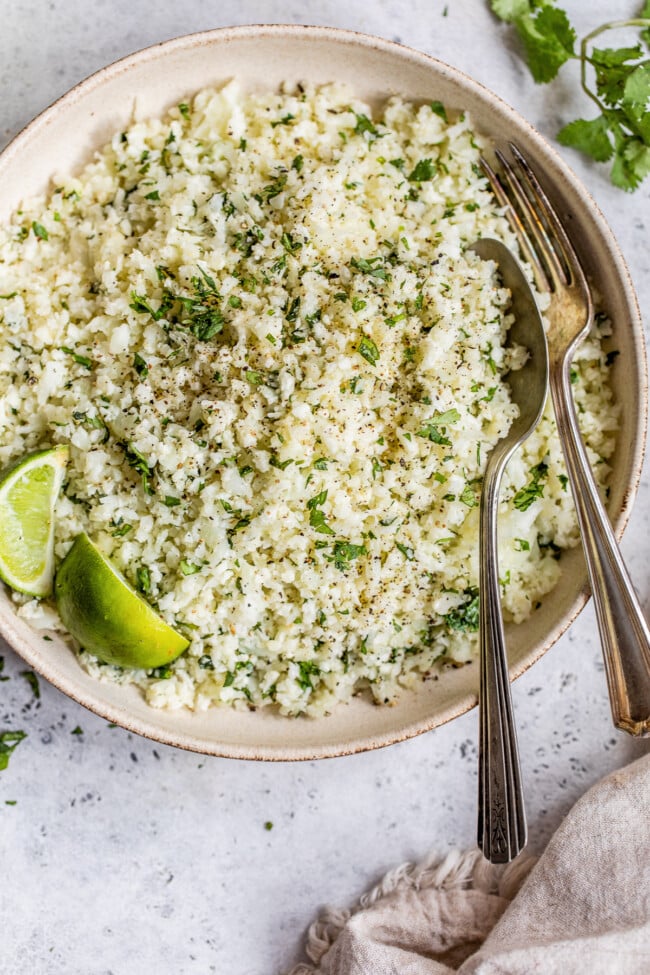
point(256, 323)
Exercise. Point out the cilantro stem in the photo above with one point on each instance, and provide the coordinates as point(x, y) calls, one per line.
point(585, 59)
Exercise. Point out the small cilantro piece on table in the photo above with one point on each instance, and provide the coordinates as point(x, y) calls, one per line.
point(9, 741)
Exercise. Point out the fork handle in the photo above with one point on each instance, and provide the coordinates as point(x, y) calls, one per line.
point(624, 633)
point(501, 812)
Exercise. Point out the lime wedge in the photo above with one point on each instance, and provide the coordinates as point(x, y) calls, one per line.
point(107, 616)
point(28, 493)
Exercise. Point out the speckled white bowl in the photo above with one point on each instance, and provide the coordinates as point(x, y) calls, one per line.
point(63, 138)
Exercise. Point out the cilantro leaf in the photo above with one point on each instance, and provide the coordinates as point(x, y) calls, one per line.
point(509, 10)
point(637, 86)
point(548, 40)
point(591, 136)
point(632, 164)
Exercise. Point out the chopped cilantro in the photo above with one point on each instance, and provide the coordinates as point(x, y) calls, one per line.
point(435, 428)
point(368, 350)
point(438, 109)
point(290, 245)
point(365, 127)
point(139, 463)
point(343, 553)
point(316, 516)
point(189, 568)
point(465, 617)
point(371, 266)
point(164, 672)
point(535, 489)
point(308, 669)
point(468, 497)
point(406, 550)
point(40, 231)
point(424, 170)
point(280, 464)
point(82, 360)
point(285, 120)
point(143, 580)
point(140, 366)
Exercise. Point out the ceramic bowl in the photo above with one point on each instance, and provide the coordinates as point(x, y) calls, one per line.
point(145, 84)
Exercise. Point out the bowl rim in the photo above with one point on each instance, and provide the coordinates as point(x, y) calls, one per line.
point(353, 38)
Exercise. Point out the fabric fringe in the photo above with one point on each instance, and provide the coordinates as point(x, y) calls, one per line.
point(469, 870)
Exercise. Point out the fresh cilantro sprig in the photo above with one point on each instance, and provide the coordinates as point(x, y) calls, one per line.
point(620, 133)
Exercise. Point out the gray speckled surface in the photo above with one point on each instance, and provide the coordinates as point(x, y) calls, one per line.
point(124, 857)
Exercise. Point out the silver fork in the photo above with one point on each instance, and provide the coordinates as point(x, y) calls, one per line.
point(624, 633)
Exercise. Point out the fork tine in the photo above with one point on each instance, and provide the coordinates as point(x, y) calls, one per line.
point(536, 229)
point(576, 273)
point(513, 218)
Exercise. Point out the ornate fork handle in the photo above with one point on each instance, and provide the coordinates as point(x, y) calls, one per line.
point(624, 632)
point(501, 814)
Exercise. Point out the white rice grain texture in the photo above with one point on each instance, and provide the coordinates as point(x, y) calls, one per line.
point(280, 373)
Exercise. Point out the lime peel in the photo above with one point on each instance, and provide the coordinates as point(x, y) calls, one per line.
point(28, 493)
point(107, 616)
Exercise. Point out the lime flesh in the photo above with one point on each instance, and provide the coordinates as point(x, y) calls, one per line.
point(107, 616)
point(28, 493)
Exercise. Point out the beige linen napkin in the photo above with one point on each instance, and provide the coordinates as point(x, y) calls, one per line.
point(584, 906)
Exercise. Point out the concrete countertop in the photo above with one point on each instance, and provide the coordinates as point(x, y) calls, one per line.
point(125, 857)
